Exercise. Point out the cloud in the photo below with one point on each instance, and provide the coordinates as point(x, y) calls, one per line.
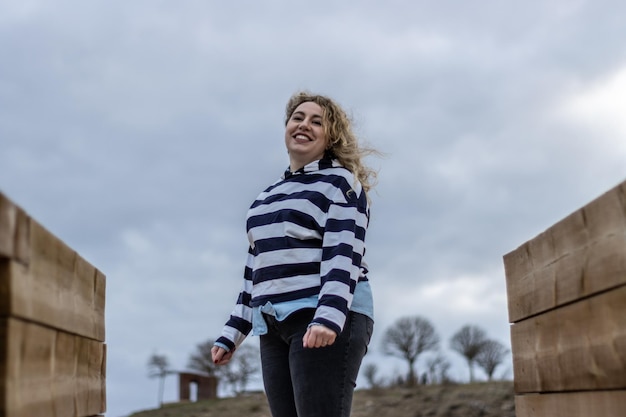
point(596, 107)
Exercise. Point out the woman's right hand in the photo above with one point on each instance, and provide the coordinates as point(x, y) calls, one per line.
point(220, 355)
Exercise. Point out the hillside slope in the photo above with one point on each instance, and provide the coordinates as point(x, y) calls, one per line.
point(485, 399)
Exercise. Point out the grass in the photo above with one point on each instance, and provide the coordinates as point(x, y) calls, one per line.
point(483, 399)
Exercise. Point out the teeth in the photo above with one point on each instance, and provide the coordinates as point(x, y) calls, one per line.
point(302, 137)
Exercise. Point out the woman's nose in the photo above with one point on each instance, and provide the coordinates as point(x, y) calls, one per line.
point(304, 124)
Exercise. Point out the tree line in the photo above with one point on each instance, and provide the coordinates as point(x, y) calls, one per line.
point(408, 338)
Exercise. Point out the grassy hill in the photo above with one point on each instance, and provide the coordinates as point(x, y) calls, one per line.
point(485, 399)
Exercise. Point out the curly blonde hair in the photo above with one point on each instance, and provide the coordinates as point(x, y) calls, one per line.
point(343, 144)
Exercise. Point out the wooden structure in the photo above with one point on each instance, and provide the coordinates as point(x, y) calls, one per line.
point(567, 304)
point(206, 386)
point(52, 351)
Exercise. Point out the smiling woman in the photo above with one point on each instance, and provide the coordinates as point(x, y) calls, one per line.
point(305, 137)
point(342, 144)
point(306, 291)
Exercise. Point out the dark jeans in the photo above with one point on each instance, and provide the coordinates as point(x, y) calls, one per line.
point(312, 382)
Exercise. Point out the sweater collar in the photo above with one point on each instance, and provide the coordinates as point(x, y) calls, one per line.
point(314, 166)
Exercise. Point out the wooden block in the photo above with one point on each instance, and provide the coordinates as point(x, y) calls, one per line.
point(52, 355)
point(46, 281)
point(65, 366)
point(57, 288)
point(91, 376)
point(7, 227)
point(6, 368)
point(82, 397)
point(14, 231)
point(583, 254)
point(575, 404)
point(34, 376)
point(45, 372)
point(96, 377)
point(580, 346)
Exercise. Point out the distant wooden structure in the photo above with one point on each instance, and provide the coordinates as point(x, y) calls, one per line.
point(52, 330)
point(567, 307)
point(206, 386)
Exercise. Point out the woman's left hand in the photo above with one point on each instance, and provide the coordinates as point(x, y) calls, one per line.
point(317, 336)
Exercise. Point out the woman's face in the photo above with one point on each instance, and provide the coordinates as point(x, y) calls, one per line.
point(305, 137)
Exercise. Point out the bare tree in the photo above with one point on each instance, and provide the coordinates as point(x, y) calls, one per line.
point(370, 372)
point(491, 356)
point(202, 360)
point(236, 374)
point(158, 367)
point(408, 338)
point(242, 367)
point(469, 342)
point(438, 367)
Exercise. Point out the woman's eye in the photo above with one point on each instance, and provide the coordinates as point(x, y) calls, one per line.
point(317, 122)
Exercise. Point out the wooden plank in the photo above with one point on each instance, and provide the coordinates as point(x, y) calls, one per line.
point(7, 227)
point(581, 255)
point(14, 231)
point(96, 377)
point(575, 404)
point(5, 367)
point(63, 383)
point(52, 359)
point(58, 288)
point(34, 374)
point(47, 372)
point(581, 346)
point(46, 281)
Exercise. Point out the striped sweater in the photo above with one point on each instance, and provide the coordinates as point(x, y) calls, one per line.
point(307, 237)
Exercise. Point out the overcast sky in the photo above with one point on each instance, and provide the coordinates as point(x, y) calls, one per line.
point(140, 131)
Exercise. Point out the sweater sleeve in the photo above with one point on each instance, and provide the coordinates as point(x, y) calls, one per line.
point(239, 324)
point(342, 253)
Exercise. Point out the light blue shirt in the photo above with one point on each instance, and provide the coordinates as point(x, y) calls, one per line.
point(362, 303)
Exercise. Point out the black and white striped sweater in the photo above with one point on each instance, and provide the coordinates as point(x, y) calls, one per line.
point(307, 237)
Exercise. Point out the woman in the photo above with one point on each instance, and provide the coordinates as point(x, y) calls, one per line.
point(305, 291)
